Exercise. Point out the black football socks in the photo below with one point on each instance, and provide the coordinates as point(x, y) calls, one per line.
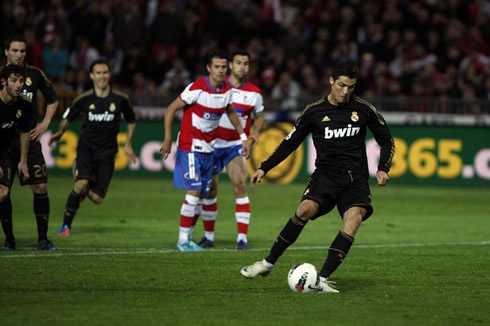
point(41, 210)
point(72, 205)
point(6, 218)
point(287, 237)
point(336, 253)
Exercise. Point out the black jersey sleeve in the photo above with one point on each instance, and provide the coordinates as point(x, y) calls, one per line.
point(290, 143)
point(127, 110)
point(25, 119)
point(46, 88)
point(383, 137)
point(73, 111)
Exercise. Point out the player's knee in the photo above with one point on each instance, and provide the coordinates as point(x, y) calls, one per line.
point(307, 209)
point(212, 193)
point(80, 187)
point(96, 199)
point(41, 188)
point(240, 190)
point(4, 192)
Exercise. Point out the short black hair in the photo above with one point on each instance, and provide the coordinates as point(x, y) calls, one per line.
point(12, 70)
point(345, 69)
point(216, 53)
point(13, 38)
point(240, 52)
point(100, 61)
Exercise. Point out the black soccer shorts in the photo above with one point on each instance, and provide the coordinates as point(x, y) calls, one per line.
point(96, 166)
point(38, 172)
point(344, 189)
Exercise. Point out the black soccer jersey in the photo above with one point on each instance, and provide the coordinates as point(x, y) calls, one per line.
point(35, 80)
point(338, 134)
point(102, 116)
point(14, 117)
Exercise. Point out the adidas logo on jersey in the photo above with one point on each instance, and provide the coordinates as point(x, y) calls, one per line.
point(341, 132)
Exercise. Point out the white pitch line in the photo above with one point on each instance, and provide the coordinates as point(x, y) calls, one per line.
point(126, 251)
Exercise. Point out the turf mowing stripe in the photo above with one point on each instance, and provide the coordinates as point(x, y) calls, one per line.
point(126, 251)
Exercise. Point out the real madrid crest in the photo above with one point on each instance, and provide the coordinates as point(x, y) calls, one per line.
point(112, 107)
point(28, 81)
point(18, 114)
point(354, 117)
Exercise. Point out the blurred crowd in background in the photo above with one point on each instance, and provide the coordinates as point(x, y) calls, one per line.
point(438, 49)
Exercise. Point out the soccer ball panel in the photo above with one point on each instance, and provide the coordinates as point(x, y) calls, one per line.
point(302, 277)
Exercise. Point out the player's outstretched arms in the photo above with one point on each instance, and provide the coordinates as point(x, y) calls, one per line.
point(256, 177)
point(166, 148)
point(382, 178)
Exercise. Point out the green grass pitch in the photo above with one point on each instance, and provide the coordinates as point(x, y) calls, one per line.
point(422, 259)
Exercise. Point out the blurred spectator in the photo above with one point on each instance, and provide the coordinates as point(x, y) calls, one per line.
point(113, 55)
point(176, 79)
point(55, 58)
point(95, 24)
point(83, 54)
point(128, 26)
point(286, 92)
point(34, 49)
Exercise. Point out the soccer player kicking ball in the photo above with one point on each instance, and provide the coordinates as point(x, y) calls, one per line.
point(338, 124)
point(203, 102)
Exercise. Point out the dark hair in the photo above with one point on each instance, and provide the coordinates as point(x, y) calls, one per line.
point(12, 70)
point(100, 61)
point(345, 69)
point(13, 38)
point(216, 53)
point(240, 52)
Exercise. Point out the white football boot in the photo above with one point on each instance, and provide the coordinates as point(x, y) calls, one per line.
point(261, 267)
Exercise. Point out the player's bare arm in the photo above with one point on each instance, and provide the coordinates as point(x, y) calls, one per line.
point(61, 129)
point(1, 172)
point(175, 106)
point(41, 127)
point(230, 111)
point(256, 177)
point(128, 147)
point(24, 147)
point(258, 123)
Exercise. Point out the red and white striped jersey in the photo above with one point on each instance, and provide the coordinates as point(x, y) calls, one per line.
point(205, 106)
point(246, 99)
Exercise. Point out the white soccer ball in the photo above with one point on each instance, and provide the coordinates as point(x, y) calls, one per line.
point(301, 277)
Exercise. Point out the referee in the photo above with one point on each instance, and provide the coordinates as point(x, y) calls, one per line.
point(338, 124)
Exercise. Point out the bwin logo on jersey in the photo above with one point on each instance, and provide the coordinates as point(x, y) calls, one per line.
point(106, 116)
point(341, 132)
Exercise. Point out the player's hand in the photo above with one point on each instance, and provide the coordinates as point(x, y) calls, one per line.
point(54, 137)
point(166, 148)
point(255, 140)
point(38, 131)
point(256, 177)
point(1, 172)
point(246, 148)
point(23, 170)
point(382, 178)
point(128, 151)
